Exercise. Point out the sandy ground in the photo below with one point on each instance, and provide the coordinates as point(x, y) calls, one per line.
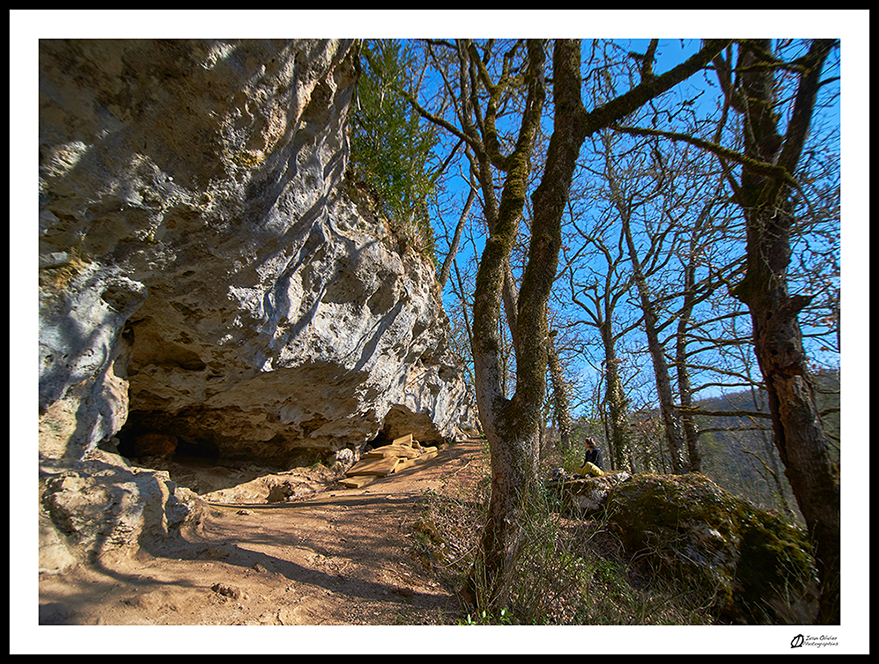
point(338, 557)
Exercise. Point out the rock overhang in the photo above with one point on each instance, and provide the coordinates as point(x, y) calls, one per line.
point(242, 294)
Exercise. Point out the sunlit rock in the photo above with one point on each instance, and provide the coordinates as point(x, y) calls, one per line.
point(207, 274)
point(211, 285)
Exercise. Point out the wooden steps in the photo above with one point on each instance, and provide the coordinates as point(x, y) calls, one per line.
point(392, 451)
point(386, 460)
point(381, 467)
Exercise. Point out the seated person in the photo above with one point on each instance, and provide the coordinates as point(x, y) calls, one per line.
point(592, 461)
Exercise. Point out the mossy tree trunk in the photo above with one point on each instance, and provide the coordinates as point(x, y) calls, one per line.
point(615, 400)
point(767, 207)
point(511, 424)
point(561, 398)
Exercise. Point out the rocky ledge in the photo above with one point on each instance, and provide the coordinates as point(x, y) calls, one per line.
point(211, 284)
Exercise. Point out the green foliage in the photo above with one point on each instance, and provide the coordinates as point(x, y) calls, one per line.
point(390, 149)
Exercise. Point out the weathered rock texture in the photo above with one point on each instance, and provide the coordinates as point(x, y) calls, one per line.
point(210, 284)
point(96, 508)
point(208, 278)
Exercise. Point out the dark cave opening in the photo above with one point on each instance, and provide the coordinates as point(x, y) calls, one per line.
point(381, 439)
point(152, 433)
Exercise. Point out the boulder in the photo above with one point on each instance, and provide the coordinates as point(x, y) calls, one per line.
point(752, 564)
point(586, 495)
point(100, 507)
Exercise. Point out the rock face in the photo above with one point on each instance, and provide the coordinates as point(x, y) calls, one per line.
point(97, 507)
point(208, 278)
point(211, 285)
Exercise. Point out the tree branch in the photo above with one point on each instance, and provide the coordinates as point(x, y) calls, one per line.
point(769, 170)
point(618, 108)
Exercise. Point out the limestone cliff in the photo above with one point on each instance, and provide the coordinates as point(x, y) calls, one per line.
point(210, 283)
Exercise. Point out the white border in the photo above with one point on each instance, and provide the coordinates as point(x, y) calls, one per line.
point(27, 26)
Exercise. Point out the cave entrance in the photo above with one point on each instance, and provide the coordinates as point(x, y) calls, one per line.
point(148, 434)
point(401, 421)
point(381, 439)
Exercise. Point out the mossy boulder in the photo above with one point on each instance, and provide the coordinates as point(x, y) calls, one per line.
point(755, 567)
point(585, 495)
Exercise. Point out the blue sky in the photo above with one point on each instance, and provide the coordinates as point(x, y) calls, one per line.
point(669, 54)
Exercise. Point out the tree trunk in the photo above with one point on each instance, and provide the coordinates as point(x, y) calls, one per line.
point(796, 423)
point(691, 433)
point(660, 365)
point(765, 202)
point(614, 398)
point(511, 425)
point(560, 398)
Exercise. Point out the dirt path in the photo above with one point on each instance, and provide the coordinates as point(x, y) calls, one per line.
point(341, 557)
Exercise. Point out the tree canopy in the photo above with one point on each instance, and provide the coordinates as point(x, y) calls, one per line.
point(622, 202)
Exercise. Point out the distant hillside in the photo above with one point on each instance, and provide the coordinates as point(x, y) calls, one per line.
point(739, 452)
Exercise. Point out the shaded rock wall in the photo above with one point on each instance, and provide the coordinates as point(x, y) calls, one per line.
point(207, 275)
point(96, 509)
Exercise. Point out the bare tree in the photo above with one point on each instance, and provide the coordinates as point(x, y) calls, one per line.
point(514, 421)
point(449, 260)
point(767, 191)
point(598, 293)
point(511, 424)
point(766, 202)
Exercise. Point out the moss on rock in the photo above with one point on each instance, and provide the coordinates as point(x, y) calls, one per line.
point(755, 567)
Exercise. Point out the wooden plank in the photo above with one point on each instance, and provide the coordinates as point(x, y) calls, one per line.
point(357, 482)
point(403, 451)
point(391, 451)
point(424, 457)
point(380, 453)
point(382, 467)
point(404, 463)
point(403, 440)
